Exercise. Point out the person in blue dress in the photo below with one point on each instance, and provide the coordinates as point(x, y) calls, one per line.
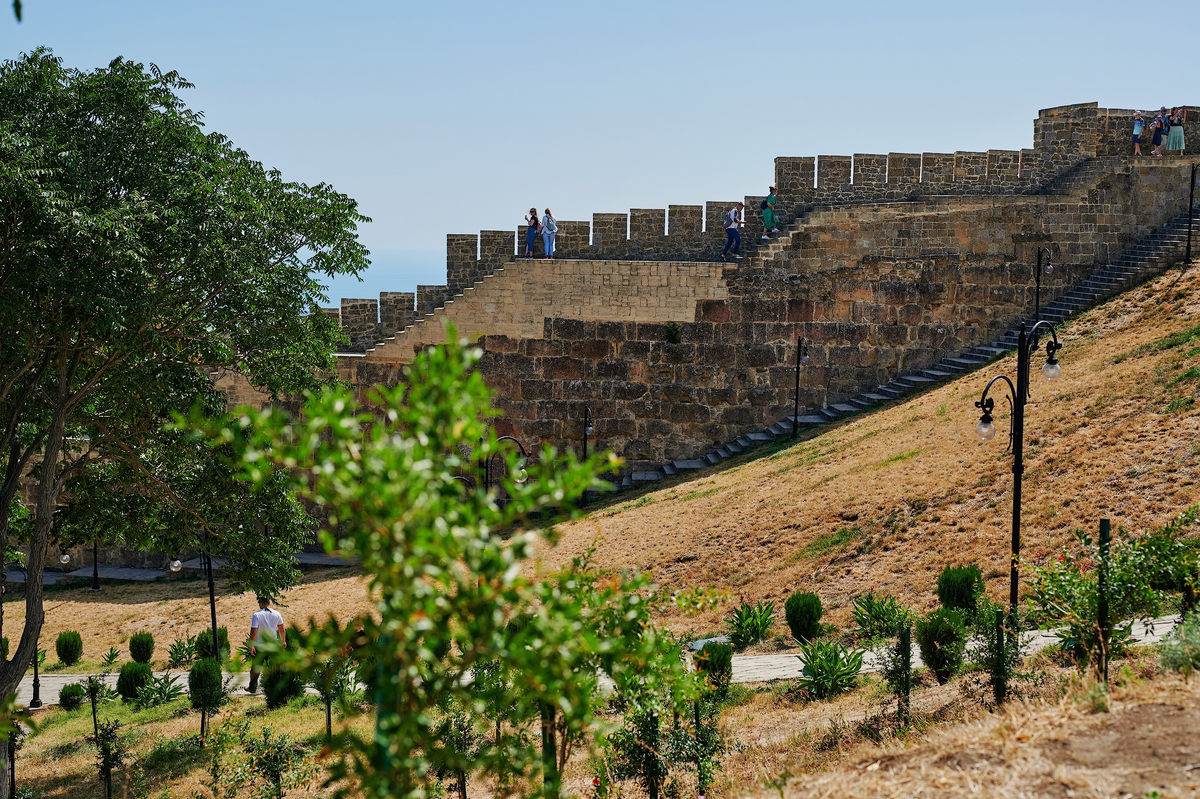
point(531, 233)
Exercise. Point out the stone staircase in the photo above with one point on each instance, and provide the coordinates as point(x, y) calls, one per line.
point(1140, 260)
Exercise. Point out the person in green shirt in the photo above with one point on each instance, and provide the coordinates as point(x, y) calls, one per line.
point(770, 221)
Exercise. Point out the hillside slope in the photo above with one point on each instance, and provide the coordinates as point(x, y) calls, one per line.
point(886, 499)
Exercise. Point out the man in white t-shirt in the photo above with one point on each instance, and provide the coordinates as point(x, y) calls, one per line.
point(266, 622)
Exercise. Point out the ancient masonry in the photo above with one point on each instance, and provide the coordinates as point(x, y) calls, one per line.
point(886, 264)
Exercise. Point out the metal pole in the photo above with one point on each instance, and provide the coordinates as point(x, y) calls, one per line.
point(1037, 294)
point(1018, 467)
point(1000, 678)
point(212, 598)
point(1102, 596)
point(1191, 205)
point(95, 564)
point(796, 409)
point(906, 678)
point(36, 702)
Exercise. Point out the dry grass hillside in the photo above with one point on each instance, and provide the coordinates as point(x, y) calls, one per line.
point(886, 499)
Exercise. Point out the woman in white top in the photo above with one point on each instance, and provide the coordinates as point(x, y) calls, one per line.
point(549, 228)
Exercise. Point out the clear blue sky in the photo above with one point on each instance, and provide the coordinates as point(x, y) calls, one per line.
point(454, 117)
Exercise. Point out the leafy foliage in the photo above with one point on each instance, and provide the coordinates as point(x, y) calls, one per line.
point(206, 692)
point(803, 612)
point(281, 686)
point(137, 247)
point(69, 647)
point(131, 679)
point(110, 658)
point(141, 647)
point(278, 763)
point(158, 691)
point(959, 588)
point(112, 750)
point(1066, 592)
point(182, 651)
point(71, 696)
point(748, 624)
point(879, 617)
point(830, 669)
point(204, 644)
point(1181, 650)
point(942, 639)
point(715, 660)
point(386, 479)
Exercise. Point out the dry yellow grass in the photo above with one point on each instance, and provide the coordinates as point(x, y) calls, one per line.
point(913, 489)
point(1144, 746)
point(175, 608)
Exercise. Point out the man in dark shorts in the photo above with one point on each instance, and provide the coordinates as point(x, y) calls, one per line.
point(1139, 125)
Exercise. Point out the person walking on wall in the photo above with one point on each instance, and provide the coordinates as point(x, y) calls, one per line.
point(770, 222)
point(265, 623)
point(1175, 140)
point(532, 232)
point(733, 237)
point(549, 228)
point(1139, 125)
point(1156, 128)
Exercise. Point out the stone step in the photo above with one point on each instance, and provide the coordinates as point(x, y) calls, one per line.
point(844, 408)
point(744, 442)
point(812, 419)
point(688, 465)
point(962, 363)
point(915, 380)
point(891, 393)
point(670, 470)
point(859, 403)
point(646, 477)
point(713, 458)
point(760, 437)
point(937, 374)
point(874, 397)
point(988, 350)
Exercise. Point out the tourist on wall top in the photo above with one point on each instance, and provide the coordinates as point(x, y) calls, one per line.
point(733, 237)
point(1175, 140)
point(549, 228)
point(768, 214)
point(532, 232)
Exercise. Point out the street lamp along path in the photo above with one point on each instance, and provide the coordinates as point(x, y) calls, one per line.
point(1018, 396)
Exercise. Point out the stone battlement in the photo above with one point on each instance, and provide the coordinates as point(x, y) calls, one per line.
point(1063, 137)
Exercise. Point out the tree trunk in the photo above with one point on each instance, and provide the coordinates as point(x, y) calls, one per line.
point(550, 780)
point(462, 785)
point(4, 770)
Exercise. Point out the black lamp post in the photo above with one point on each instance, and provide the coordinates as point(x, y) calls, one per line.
point(801, 357)
point(519, 476)
point(1037, 295)
point(587, 432)
point(36, 702)
point(1027, 345)
point(95, 564)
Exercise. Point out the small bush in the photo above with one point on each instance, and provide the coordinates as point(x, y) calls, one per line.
point(829, 668)
point(716, 661)
point(71, 696)
point(803, 612)
point(1181, 650)
point(182, 652)
point(158, 691)
point(749, 624)
point(959, 588)
point(281, 686)
point(132, 677)
point(141, 647)
point(204, 644)
point(879, 617)
point(942, 639)
point(110, 658)
point(204, 686)
point(69, 647)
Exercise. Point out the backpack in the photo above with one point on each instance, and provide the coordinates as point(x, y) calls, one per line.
point(730, 217)
point(764, 204)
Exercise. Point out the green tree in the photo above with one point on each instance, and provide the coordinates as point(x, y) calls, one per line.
point(446, 582)
point(138, 256)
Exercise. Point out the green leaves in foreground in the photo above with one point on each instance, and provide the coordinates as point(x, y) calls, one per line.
point(830, 669)
point(446, 586)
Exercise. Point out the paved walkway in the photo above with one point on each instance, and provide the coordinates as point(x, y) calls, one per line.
point(746, 668)
point(50, 577)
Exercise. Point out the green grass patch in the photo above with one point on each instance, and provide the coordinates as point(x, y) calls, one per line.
point(698, 494)
point(1179, 404)
point(1185, 376)
point(903, 456)
point(828, 543)
point(1173, 341)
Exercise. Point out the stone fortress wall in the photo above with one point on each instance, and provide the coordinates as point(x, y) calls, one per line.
point(888, 264)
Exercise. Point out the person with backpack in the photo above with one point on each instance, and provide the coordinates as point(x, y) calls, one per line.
point(768, 214)
point(531, 232)
point(549, 228)
point(733, 237)
point(1175, 139)
point(1157, 128)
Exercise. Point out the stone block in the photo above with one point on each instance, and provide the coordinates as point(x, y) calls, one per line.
point(397, 310)
point(904, 169)
point(647, 224)
point(609, 231)
point(970, 167)
point(573, 239)
point(685, 221)
point(833, 171)
point(462, 260)
point(1003, 167)
point(937, 169)
point(430, 298)
point(870, 170)
point(496, 248)
point(360, 322)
